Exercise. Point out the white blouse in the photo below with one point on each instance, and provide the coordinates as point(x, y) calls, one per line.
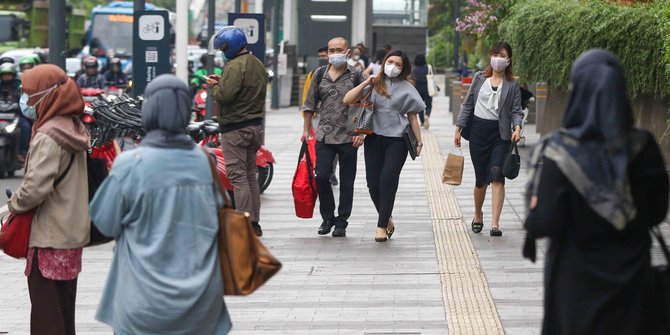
point(487, 107)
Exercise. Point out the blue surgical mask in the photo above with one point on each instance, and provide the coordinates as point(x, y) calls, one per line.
point(29, 111)
point(337, 60)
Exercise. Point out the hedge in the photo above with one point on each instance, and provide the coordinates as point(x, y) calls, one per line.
point(548, 35)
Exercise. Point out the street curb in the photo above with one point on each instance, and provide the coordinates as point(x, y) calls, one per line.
point(469, 306)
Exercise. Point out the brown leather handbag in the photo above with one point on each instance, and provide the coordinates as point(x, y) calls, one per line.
point(246, 264)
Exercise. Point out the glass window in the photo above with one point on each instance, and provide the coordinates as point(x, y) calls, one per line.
point(6, 28)
point(400, 12)
point(112, 32)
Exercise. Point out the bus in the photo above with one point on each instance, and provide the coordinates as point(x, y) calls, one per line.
point(110, 33)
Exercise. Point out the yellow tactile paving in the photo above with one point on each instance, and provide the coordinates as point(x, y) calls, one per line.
point(468, 303)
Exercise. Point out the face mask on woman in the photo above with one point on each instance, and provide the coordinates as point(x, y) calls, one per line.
point(337, 60)
point(29, 111)
point(391, 70)
point(499, 64)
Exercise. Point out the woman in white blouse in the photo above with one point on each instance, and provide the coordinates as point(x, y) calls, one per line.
point(490, 119)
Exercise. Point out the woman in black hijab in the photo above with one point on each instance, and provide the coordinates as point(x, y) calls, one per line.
point(597, 186)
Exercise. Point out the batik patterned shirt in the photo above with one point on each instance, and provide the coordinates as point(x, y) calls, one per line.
point(331, 127)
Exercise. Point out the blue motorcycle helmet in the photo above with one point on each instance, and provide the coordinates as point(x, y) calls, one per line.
point(228, 39)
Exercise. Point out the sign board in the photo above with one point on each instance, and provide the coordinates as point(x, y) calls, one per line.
point(151, 47)
point(253, 26)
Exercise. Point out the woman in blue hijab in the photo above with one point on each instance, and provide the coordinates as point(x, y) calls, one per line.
point(158, 203)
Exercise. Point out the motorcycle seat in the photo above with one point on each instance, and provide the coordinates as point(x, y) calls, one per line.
point(194, 127)
point(211, 130)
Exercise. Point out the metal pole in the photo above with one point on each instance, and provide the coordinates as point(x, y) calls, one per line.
point(238, 6)
point(211, 11)
point(457, 14)
point(57, 33)
point(138, 5)
point(275, 45)
point(181, 42)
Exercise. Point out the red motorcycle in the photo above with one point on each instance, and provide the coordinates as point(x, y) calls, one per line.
point(200, 104)
point(206, 133)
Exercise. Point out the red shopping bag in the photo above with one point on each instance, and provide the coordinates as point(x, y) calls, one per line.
point(15, 234)
point(304, 181)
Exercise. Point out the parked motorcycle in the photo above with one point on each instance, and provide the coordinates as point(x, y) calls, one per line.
point(200, 104)
point(10, 133)
point(206, 133)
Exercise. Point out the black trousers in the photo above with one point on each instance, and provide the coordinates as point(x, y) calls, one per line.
point(52, 303)
point(347, 155)
point(384, 159)
point(428, 100)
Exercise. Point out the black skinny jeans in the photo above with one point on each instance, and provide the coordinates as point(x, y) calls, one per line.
point(384, 159)
point(347, 156)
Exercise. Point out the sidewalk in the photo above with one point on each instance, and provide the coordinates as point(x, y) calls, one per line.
point(434, 277)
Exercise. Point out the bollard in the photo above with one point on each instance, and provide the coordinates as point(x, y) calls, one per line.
point(455, 99)
point(540, 105)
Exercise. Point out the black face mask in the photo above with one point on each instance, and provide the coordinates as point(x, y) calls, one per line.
point(323, 62)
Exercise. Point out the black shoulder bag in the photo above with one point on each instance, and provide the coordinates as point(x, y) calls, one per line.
point(512, 163)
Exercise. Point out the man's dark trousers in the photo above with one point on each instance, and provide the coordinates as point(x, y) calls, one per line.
point(347, 154)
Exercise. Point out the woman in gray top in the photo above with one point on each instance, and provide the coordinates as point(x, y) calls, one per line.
point(492, 108)
point(396, 103)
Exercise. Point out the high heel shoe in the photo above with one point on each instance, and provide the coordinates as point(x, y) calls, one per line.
point(390, 229)
point(380, 238)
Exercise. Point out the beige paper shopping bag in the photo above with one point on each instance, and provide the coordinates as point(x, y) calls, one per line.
point(453, 169)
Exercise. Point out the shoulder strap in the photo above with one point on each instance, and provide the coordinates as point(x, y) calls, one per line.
point(318, 76)
point(67, 169)
point(358, 78)
point(227, 203)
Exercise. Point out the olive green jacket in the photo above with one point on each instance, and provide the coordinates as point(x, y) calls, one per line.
point(240, 93)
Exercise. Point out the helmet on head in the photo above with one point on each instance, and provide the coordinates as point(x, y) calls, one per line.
point(91, 61)
point(37, 58)
point(27, 60)
point(115, 61)
point(7, 68)
point(230, 40)
point(203, 59)
point(4, 60)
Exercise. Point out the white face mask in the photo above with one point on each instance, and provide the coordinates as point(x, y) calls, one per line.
point(337, 60)
point(391, 70)
point(499, 64)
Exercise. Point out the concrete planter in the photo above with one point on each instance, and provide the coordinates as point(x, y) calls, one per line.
point(650, 113)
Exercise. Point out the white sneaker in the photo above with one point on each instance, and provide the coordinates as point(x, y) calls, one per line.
point(426, 123)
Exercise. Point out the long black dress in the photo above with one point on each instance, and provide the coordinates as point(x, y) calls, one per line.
point(594, 274)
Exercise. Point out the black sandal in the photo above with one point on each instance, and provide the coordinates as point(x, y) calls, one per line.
point(477, 226)
point(495, 231)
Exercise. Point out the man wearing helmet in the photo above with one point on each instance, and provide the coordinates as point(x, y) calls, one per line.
point(198, 81)
point(240, 94)
point(91, 79)
point(114, 76)
point(26, 63)
point(10, 86)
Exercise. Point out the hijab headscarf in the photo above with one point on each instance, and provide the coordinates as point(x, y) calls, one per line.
point(166, 112)
point(597, 140)
point(59, 112)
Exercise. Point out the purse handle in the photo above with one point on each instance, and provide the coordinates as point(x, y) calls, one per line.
point(304, 150)
point(514, 147)
point(227, 203)
point(661, 241)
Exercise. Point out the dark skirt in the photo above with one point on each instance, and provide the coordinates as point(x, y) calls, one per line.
point(487, 151)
